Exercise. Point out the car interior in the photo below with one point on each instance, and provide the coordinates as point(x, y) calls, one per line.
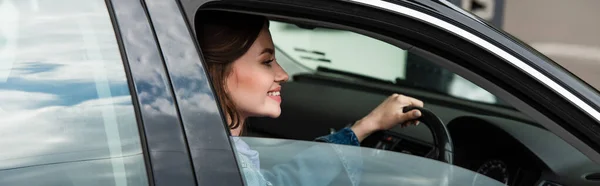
point(489, 137)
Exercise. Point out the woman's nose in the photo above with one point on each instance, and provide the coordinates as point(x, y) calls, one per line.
point(281, 75)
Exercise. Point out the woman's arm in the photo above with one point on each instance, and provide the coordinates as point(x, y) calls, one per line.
point(387, 115)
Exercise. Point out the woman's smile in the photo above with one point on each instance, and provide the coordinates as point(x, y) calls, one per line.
point(275, 94)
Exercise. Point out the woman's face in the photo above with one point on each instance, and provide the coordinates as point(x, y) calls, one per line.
point(255, 80)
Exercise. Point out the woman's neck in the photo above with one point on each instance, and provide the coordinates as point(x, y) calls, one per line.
point(237, 131)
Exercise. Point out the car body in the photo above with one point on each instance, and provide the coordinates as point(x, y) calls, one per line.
point(115, 93)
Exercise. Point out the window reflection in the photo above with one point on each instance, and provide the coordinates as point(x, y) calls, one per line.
point(301, 162)
point(67, 116)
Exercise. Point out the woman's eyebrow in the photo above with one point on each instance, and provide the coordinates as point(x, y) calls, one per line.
point(268, 50)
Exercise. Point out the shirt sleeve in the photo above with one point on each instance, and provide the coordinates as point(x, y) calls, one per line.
point(343, 137)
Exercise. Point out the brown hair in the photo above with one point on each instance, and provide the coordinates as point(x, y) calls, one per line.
point(224, 37)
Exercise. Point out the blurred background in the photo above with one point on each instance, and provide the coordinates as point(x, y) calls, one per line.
point(566, 31)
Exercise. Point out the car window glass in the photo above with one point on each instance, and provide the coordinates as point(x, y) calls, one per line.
point(67, 114)
point(314, 163)
point(326, 66)
point(338, 76)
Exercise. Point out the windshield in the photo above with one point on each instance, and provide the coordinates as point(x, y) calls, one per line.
point(317, 161)
point(354, 55)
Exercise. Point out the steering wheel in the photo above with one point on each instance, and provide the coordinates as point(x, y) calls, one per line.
point(442, 149)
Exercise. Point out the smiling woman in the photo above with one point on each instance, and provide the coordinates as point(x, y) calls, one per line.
point(67, 117)
point(240, 57)
point(227, 45)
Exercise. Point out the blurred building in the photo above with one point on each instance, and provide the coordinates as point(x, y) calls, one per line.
point(566, 31)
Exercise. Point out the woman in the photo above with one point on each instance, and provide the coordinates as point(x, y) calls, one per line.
point(240, 58)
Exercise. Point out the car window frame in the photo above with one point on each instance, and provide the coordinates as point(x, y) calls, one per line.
point(550, 78)
point(133, 94)
point(166, 154)
point(207, 137)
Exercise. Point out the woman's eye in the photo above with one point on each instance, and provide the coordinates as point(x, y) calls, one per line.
point(268, 63)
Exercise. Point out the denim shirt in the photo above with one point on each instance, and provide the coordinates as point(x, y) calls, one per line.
point(299, 171)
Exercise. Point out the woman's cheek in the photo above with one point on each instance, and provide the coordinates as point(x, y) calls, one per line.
point(251, 82)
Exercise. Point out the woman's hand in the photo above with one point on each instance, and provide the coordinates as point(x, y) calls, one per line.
point(387, 115)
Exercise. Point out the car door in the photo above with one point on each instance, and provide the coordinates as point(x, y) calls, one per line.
point(85, 97)
point(169, 154)
point(488, 58)
point(66, 121)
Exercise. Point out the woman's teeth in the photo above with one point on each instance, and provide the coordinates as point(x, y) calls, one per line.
point(273, 93)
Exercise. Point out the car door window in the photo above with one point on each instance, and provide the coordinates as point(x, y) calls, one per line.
point(331, 68)
point(67, 113)
point(337, 76)
point(293, 162)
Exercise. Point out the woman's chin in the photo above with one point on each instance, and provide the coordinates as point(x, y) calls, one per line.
point(275, 113)
point(271, 113)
